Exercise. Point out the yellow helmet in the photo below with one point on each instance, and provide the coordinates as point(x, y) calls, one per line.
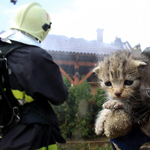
point(34, 20)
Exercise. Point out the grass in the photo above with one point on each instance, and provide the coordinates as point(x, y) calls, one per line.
point(83, 146)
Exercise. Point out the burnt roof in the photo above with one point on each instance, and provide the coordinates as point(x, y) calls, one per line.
point(60, 43)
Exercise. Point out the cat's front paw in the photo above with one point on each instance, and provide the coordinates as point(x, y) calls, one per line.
point(113, 104)
point(102, 116)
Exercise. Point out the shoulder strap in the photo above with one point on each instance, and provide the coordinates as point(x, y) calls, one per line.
point(8, 48)
point(5, 50)
point(4, 79)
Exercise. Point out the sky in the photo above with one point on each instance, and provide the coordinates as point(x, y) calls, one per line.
point(126, 19)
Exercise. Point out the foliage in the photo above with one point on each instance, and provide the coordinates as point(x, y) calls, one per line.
point(83, 146)
point(67, 82)
point(77, 115)
point(99, 99)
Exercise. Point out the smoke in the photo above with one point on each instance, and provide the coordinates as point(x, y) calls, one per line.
point(83, 108)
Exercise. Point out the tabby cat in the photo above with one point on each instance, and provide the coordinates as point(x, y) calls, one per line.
point(120, 77)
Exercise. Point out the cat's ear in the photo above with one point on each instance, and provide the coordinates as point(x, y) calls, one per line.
point(96, 70)
point(140, 63)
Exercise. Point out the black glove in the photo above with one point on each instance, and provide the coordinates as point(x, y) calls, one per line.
point(132, 141)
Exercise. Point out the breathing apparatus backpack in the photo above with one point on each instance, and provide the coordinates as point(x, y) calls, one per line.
point(9, 106)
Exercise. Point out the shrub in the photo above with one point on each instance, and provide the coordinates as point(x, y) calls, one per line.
point(77, 115)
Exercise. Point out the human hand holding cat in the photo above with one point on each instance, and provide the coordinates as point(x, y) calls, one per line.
point(112, 120)
point(117, 124)
point(102, 116)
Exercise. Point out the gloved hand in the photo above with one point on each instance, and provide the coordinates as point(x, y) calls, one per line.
point(117, 124)
point(121, 131)
point(132, 141)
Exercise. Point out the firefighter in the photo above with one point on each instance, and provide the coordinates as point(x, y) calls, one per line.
point(36, 82)
point(137, 47)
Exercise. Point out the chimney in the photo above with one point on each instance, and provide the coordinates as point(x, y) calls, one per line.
point(100, 35)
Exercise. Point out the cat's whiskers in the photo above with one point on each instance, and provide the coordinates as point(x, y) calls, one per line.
point(145, 115)
point(133, 97)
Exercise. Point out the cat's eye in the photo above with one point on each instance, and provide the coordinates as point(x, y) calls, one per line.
point(148, 92)
point(128, 82)
point(108, 83)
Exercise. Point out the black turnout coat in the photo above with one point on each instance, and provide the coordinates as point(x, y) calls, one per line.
point(36, 80)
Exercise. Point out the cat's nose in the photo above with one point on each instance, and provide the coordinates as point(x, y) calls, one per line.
point(118, 94)
point(118, 91)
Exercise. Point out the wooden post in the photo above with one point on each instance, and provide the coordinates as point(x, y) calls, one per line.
point(87, 75)
point(66, 75)
point(76, 74)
